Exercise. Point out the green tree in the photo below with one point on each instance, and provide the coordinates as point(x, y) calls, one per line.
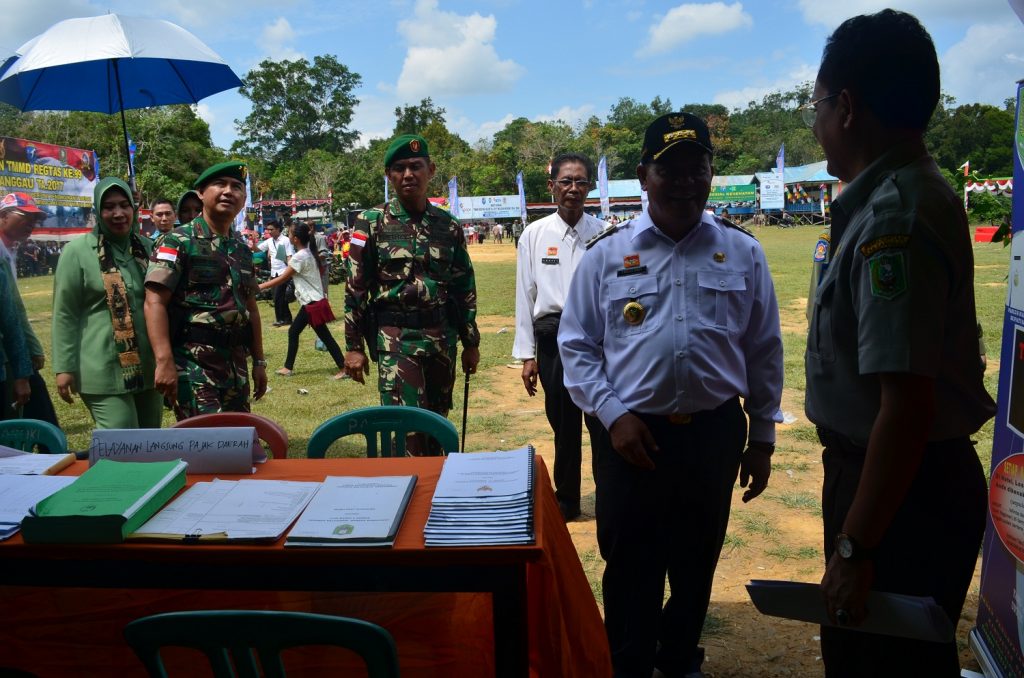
point(415, 119)
point(980, 133)
point(297, 107)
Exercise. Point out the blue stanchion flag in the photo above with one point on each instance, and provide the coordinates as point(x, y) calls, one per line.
point(522, 197)
point(644, 200)
point(131, 154)
point(240, 217)
point(602, 186)
point(385, 187)
point(453, 196)
point(780, 161)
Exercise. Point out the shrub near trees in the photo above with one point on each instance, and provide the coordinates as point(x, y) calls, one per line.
point(299, 137)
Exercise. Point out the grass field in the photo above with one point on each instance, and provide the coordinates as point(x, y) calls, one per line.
point(788, 253)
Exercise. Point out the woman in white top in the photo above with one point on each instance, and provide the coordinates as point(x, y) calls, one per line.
point(315, 310)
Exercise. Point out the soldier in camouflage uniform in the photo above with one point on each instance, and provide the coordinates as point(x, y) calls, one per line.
point(409, 267)
point(201, 310)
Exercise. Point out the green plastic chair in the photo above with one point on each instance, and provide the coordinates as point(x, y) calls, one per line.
point(384, 421)
point(232, 640)
point(26, 434)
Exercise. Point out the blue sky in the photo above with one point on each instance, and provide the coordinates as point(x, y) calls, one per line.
point(490, 61)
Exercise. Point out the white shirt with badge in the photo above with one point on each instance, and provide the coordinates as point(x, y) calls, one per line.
point(661, 327)
point(549, 252)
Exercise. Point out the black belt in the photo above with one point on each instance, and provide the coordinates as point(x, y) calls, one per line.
point(547, 324)
point(415, 320)
point(228, 337)
point(680, 419)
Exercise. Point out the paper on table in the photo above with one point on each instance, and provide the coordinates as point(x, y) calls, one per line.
point(26, 463)
point(354, 511)
point(485, 475)
point(890, 614)
point(230, 510)
point(19, 493)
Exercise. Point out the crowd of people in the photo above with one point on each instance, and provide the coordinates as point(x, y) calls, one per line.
point(660, 332)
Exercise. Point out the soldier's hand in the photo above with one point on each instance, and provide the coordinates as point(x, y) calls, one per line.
point(357, 366)
point(38, 362)
point(755, 468)
point(259, 378)
point(22, 392)
point(165, 380)
point(530, 377)
point(470, 359)
point(66, 386)
point(633, 440)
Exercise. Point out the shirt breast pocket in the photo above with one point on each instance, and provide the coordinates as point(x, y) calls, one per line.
point(819, 336)
point(723, 299)
point(394, 257)
point(631, 321)
point(442, 253)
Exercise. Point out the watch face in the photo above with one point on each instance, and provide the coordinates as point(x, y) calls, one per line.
point(844, 546)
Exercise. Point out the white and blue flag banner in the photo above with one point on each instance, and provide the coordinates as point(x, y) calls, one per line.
point(602, 186)
point(453, 196)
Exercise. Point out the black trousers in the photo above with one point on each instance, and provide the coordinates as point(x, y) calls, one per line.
point(323, 333)
point(670, 520)
point(930, 549)
point(282, 313)
point(563, 415)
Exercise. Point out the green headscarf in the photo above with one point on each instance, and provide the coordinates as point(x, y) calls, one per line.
point(117, 293)
point(102, 188)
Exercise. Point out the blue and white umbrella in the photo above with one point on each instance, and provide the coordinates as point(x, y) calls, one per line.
point(112, 63)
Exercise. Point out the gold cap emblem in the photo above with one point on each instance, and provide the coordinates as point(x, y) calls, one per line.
point(719, 256)
point(676, 121)
point(634, 313)
point(415, 145)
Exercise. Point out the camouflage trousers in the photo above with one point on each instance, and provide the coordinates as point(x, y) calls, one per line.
point(211, 379)
point(417, 381)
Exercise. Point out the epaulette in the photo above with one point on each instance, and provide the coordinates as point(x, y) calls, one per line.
point(371, 214)
point(732, 224)
point(603, 234)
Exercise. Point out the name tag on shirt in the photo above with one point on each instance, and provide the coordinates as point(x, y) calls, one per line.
point(623, 272)
point(549, 260)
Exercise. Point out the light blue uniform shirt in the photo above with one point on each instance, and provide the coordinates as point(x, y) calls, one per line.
point(710, 329)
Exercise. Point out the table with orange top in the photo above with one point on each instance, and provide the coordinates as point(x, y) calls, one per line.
point(511, 610)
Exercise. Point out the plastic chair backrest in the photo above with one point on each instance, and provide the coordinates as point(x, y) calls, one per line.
point(25, 434)
point(268, 430)
point(385, 421)
point(237, 637)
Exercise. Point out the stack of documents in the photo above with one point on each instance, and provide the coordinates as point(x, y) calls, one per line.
point(482, 499)
point(230, 511)
point(26, 463)
point(354, 511)
point(19, 493)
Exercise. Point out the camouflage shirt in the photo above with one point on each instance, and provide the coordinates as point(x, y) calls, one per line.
point(402, 265)
point(211, 276)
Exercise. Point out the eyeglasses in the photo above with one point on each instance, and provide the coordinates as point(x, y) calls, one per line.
point(569, 183)
point(809, 111)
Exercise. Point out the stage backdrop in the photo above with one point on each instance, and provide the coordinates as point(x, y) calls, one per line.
point(998, 636)
point(60, 179)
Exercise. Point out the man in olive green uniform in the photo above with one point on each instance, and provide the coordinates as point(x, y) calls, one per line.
point(410, 268)
point(894, 382)
point(201, 309)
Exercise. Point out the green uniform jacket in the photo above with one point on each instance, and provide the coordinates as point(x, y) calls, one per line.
point(83, 337)
point(12, 336)
point(35, 347)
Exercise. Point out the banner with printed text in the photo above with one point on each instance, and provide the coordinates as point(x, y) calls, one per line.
point(735, 193)
point(60, 179)
point(998, 635)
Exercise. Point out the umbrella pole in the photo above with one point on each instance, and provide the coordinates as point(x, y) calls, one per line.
point(124, 128)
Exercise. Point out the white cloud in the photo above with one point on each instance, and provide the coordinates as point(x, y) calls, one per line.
point(374, 117)
point(985, 66)
point(278, 33)
point(473, 132)
point(450, 54)
point(739, 98)
point(567, 114)
point(689, 21)
point(29, 20)
point(206, 113)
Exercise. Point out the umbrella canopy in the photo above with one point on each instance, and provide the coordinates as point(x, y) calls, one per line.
point(112, 63)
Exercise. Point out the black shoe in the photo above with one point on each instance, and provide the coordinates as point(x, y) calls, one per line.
point(569, 511)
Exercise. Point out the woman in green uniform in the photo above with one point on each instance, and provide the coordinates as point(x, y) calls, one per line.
point(100, 345)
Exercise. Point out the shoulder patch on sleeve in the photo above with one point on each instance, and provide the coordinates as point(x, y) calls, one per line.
point(603, 234)
point(886, 242)
point(732, 224)
point(371, 214)
point(888, 272)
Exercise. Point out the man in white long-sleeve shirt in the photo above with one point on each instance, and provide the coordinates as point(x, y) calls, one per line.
point(549, 251)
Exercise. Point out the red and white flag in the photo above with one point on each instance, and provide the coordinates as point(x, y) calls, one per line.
point(359, 239)
point(966, 167)
point(164, 253)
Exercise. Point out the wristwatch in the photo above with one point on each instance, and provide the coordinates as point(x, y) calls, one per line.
point(259, 362)
point(849, 549)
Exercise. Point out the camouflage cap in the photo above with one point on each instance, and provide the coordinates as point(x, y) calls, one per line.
point(406, 146)
point(236, 169)
point(673, 129)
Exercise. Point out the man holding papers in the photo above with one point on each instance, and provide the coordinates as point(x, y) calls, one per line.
point(894, 382)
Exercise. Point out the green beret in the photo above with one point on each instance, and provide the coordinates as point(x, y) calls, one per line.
point(406, 146)
point(235, 169)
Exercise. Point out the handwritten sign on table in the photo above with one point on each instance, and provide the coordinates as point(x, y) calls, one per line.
point(205, 450)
